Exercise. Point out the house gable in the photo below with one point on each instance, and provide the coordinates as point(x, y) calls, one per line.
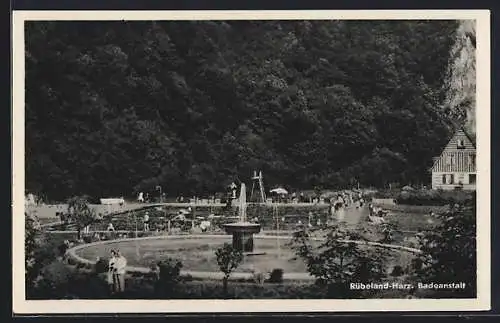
point(460, 143)
point(460, 137)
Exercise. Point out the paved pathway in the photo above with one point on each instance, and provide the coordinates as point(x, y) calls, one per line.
point(239, 275)
point(352, 215)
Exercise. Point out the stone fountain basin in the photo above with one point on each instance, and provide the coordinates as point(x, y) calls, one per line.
point(244, 227)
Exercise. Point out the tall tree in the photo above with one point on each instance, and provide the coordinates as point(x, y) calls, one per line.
point(117, 107)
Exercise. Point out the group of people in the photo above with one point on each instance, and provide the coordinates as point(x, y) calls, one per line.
point(350, 198)
point(376, 211)
point(376, 215)
point(117, 268)
point(142, 198)
point(145, 220)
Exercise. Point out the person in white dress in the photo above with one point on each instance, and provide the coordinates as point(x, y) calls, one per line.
point(146, 221)
point(117, 269)
point(204, 226)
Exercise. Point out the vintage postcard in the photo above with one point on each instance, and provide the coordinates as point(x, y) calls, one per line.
point(251, 161)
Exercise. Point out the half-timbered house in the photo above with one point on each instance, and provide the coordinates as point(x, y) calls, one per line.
point(456, 166)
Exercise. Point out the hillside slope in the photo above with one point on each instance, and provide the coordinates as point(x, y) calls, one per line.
point(113, 107)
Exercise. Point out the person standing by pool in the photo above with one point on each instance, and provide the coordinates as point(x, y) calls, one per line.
point(117, 268)
point(111, 269)
point(361, 202)
point(146, 221)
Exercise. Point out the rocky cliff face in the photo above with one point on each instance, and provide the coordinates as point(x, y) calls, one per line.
point(461, 81)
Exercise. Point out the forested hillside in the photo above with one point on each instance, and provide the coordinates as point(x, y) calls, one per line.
point(113, 107)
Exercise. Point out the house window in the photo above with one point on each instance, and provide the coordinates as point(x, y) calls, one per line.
point(448, 179)
point(460, 144)
point(450, 160)
point(472, 160)
point(472, 178)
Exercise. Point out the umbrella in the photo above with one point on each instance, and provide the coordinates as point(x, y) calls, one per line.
point(279, 190)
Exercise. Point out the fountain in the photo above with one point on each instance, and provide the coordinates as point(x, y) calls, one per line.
point(243, 230)
point(198, 256)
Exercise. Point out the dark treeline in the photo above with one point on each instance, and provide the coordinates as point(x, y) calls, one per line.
point(114, 107)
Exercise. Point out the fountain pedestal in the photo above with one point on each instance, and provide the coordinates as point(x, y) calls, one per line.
point(243, 235)
point(242, 230)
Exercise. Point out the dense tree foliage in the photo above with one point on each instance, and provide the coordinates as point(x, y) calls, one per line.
point(31, 262)
point(116, 107)
point(43, 268)
point(450, 250)
point(80, 213)
point(337, 261)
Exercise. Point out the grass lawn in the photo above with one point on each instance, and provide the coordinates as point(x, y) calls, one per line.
point(406, 221)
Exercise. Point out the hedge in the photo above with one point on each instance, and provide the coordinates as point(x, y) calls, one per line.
point(434, 197)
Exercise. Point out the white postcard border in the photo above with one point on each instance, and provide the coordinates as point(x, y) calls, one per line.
point(482, 302)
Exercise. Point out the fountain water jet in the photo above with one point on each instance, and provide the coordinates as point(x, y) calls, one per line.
point(243, 230)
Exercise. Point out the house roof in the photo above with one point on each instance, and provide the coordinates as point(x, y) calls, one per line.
point(461, 126)
point(467, 134)
point(457, 129)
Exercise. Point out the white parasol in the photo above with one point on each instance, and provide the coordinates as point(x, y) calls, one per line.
point(279, 190)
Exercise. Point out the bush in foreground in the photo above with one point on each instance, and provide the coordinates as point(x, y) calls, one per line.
point(228, 259)
point(276, 276)
point(168, 277)
point(449, 251)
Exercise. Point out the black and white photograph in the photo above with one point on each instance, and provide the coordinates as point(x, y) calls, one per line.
point(294, 161)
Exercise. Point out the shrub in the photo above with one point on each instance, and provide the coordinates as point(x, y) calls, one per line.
point(228, 259)
point(397, 271)
point(449, 251)
point(259, 277)
point(87, 239)
point(434, 197)
point(89, 266)
point(187, 278)
point(276, 276)
point(85, 285)
point(62, 249)
point(384, 194)
point(54, 281)
point(71, 261)
point(101, 266)
point(168, 277)
point(334, 262)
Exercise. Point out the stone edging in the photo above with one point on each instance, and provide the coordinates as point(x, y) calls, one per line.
point(218, 275)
